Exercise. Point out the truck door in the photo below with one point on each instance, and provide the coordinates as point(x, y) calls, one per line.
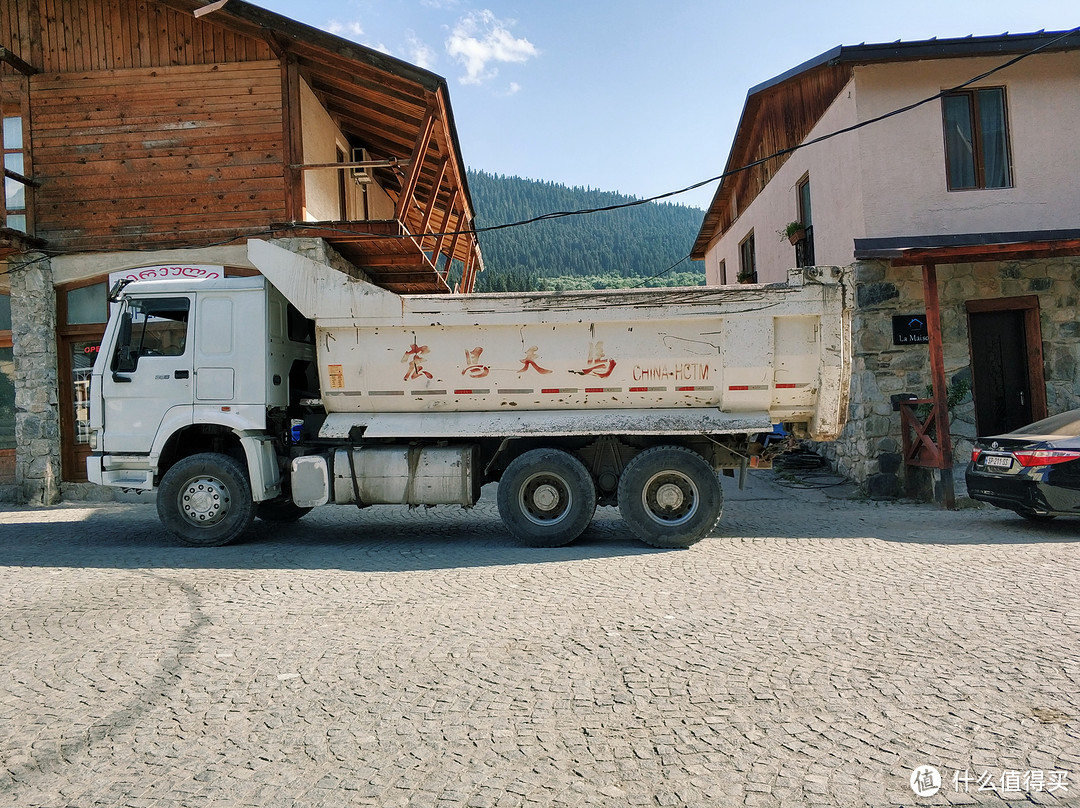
point(149, 375)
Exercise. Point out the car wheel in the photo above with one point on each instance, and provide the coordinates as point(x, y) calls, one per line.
point(1031, 516)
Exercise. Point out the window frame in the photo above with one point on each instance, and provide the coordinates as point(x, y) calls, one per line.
point(978, 148)
point(7, 456)
point(9, 111)
point(72, 453)
point(747, 248)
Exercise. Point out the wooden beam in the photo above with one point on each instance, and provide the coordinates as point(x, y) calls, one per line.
point(982, 253)
point(450, 253)
point(423, 138)
point(937, 375)
point(292, 138)
point(433, 198)
point(9, 58)
point(466, 285)
point(451, 203)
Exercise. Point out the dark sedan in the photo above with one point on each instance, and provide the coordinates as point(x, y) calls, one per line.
point(1034, 470)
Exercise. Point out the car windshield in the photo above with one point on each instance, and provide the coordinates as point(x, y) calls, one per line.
point(1067, 423)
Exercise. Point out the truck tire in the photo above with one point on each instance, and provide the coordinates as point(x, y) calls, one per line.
point(205, 500)
point(670, 497)
point(281, 511)
point(546, 498)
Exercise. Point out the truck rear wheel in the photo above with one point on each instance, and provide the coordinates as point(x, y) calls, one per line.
point(205, 500)
point(670, 496)
point(546, 498)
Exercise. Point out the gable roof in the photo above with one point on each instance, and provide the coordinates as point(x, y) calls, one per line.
point(385, 104)
point(779, 113)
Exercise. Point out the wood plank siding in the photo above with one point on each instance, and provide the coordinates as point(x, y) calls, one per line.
point(777, 118)
point(150, 127)
point(178, 155)
point(74, 36)
point(176, 124)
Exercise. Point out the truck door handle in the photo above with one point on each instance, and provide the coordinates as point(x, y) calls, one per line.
point(116, 377)
point(180, 374)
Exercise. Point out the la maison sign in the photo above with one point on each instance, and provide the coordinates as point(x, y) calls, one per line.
point(909, 329)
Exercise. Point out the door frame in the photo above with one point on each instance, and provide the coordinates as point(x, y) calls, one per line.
point(1028, 305)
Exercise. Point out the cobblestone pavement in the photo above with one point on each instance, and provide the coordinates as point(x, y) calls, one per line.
point(813, 651)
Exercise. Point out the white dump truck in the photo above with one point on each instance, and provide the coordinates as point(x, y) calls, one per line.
point(266, 396)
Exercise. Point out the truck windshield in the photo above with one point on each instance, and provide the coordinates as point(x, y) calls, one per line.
point(151, 327)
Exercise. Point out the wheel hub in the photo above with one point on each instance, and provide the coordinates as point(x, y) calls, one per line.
point(546, 497)
point(204, 500)
point(669, 497)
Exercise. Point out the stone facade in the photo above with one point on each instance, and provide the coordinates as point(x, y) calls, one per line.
point(37, 420)
point(869, 449)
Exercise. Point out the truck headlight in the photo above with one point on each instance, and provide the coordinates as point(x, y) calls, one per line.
point(93, 440)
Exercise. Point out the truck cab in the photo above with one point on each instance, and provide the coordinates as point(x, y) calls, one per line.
point(197, 367)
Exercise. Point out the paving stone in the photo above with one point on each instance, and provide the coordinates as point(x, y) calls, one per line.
point(812, 651)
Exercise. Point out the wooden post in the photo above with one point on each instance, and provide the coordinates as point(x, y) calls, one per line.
point(292, 141)
point(937, 375)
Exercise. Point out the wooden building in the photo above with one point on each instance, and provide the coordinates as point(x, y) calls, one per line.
point(156, 136)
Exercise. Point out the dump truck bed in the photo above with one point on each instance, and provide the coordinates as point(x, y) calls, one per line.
point(737, 355)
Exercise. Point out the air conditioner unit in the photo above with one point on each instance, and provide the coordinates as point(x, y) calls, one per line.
point(361, 176)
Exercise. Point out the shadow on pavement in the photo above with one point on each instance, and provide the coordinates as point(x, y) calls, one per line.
point(130, 536)
point(392, 539)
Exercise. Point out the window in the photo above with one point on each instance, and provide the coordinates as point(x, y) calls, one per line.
point(81, 312)
point(804, 250)
point(11, 139)
point(976, 139)
point(7, 393)
point(747, 261)
point(153, 327)
point(721, 272)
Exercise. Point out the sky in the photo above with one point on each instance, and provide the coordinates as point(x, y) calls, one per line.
point(637, 96)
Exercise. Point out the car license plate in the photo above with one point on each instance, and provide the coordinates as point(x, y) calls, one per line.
point(999, 461)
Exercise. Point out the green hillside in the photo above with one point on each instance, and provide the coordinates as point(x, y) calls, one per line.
point(634, 246)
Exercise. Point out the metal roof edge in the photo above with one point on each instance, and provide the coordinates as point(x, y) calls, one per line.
point(894, 245)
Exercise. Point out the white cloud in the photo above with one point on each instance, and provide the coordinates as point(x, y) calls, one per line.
point(355, 31)
point(348, 30)
point(479, 39)
point(419, 53)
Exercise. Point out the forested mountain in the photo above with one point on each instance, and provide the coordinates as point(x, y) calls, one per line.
point(635, 246)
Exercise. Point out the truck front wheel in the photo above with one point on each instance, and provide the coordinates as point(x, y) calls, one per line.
point(546, 498)
point(670, 496)
point(205, 500)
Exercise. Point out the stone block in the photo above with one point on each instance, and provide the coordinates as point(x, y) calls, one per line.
point(869, 272)
point(882, 486)
point(874, 294)
point(889, 462)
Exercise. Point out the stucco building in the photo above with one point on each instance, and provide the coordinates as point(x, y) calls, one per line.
point(153, 139)
point(943, 173)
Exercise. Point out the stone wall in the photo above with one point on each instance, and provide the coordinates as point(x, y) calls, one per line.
point(37, 418)
point(320, 251)
point(869, 449)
